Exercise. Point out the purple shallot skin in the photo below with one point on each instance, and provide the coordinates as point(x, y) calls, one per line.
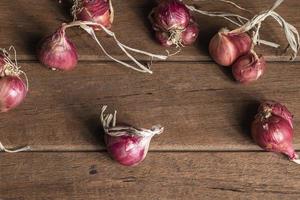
point(58, 52)
point(225, 47)
point(273, 132)
point(125, 144)
point(12, 92)
point(98, 11)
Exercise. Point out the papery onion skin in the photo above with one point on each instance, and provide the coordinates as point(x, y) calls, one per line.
point(12, 92)
point(127, 150)
point(2, 65)
point(226, 47)
point(95, 11)
point(248, 68)
point(171, 14)
point(58, 52)
point(274, 134)
point(190, 34)
point(278, 109)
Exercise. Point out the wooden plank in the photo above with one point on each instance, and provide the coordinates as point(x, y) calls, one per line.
point(25, 23)
point(199, 105)
point(161, 176)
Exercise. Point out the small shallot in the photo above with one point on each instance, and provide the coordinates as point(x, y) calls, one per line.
point(225, 47)
point(173, 23)
point(248, 68)
point(126, 144)
point(57, 51)
point(13, 89)
point(273, 132)
point(98, 11)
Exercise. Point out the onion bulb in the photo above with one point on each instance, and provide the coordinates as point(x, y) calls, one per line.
point(273, 132)
point(173, 24)
point(98, 11)
point(57, 51)
point(248, 68)
point(125, 144)
point(13, 89)
point(226, 47)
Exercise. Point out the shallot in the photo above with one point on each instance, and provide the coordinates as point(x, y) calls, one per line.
point(272, 130)
point(225, 47)
point(57, 51)
point(126, 144)
point(98, 11)
point(248, 68)
point(173, 24)
point(13, 89)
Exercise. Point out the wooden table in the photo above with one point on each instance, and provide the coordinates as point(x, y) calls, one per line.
point(206, 151)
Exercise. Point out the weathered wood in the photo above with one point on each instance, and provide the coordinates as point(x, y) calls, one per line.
point(37, 176)
point(201, 107)
point(24, 23)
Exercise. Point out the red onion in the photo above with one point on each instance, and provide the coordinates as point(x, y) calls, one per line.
point(98, 11)
point(173, 23)
point(248, 68)
point(13, 90)
point(127, 145)
point(274, 133)
point(57, 51)
point(225, 47)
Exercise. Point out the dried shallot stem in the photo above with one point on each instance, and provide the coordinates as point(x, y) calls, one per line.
point(296, 161)
point(231, 3)
point(108, 122)
point(290, 31)
point(291, 34)
point(2, 148)
point(12, 67)
point(258, 18)
point(86, 26)
point(76, 8)
point(237, 19)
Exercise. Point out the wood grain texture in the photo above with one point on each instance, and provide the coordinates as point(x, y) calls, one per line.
point(26, 22)
point(201, 107)
point(162, 176)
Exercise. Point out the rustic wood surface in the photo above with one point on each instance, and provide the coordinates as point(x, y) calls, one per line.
point(161, 176)
point(206, 151)
point(201, 107)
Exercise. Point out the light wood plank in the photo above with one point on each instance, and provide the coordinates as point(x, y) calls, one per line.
point(26, 22)
point(30, 176)
point(199, 105)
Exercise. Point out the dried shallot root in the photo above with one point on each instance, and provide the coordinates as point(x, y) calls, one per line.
point(58, 52)
point(13, 88)
point(98, 11)
point(173, 24)
point(235, 48)
point(125, 144)
point(3, 148)
point(272, 129)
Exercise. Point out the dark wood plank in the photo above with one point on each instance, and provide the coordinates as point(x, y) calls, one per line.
point(25, 23)
point(30, 176)
point(199, 105)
